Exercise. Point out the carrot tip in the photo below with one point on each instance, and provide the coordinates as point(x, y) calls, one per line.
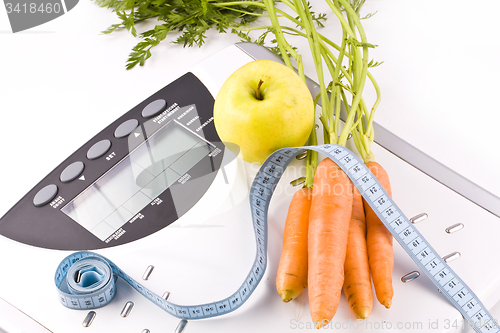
point(288, 295)
point(320, 323)
point(363, 314)
point(387, 303)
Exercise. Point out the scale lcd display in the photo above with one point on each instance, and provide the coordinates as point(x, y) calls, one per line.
point(137, 180)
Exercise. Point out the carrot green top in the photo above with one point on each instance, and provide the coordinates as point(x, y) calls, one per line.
point(348, 70)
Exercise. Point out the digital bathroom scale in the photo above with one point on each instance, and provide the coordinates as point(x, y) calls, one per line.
point(159, 152)
point(165, 192)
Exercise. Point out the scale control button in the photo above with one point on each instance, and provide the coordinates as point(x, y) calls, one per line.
point(98, 149)
point(45, 195)
point(72, 172)
point(126, 128)
point(153, 108)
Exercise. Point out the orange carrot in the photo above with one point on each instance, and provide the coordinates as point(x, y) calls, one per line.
point(379, 242)
point(329, 218)
point(357, 283)
point(292, 270)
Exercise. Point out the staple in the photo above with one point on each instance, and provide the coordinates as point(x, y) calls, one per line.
point(452, 256)
point(302, 155)
point(454, 228)
point(148, 272)
point(166, 295)
point(126, 309)
point(78, 277)
point(410, 276)
point(298, 181)
point(89, 319)
point(419, 218)
point(182, 325)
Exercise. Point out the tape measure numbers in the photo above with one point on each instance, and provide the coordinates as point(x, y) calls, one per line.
point(84, 279)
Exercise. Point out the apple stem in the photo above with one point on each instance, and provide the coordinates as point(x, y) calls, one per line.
point(257, 91)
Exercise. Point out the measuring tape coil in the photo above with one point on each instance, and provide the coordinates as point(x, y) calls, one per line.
point(73, 295)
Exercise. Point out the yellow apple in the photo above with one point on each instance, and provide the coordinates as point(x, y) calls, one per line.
point(262, 107)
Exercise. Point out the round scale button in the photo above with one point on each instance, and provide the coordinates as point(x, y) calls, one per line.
point(98, 149)
point(154, 108)
point(45, 195)
point(72, 171)
point(126, 128)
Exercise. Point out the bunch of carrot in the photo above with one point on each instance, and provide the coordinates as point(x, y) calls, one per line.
point(333, 241)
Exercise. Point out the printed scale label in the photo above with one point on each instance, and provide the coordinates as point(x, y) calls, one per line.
point(80, 268)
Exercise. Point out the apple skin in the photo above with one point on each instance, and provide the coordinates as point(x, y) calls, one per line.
point(284, 117)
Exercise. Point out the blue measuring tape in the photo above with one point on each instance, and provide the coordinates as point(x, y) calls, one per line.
point(85, 280)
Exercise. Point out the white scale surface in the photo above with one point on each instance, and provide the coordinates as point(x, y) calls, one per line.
point(63, 80)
